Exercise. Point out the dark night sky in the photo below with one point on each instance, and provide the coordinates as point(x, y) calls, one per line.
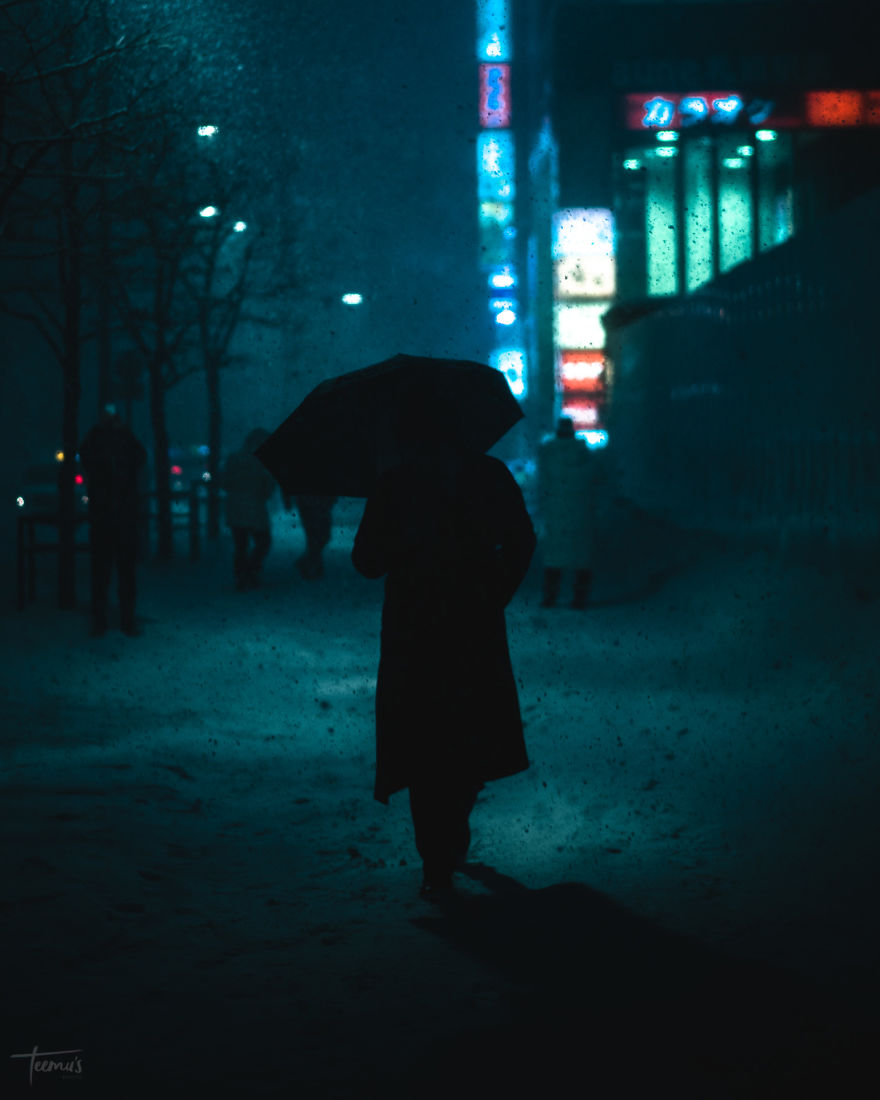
point(371, 112)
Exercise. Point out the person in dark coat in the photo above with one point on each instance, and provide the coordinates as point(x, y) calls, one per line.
point(248, 486)
point(112, 458)
point(450, 533)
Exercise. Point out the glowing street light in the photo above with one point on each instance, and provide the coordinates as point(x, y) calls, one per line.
point(208, 212)
point(240, 227)
point(208, 131)
point(352, 299)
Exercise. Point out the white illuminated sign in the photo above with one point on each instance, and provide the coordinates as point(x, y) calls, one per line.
point(580, 326)
point(589, 277)
point(493, 30)
point(583, 249)
point(582, 232)
point(496, 165)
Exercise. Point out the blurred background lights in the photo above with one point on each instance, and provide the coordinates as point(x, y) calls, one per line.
point(512, 364)
point(632, 164)
point(667, 135)
point(352, 299)
point(594, 438)
point(207, 131)
point(502, 279)
point(59, 456)
point(240, 227)
point(765, 135)
point(208, 212)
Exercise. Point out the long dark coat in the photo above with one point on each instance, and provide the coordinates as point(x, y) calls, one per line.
point(453, 540)
point(112, 457)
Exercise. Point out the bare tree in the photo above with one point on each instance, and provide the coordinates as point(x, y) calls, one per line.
point(242, 268)
point(74, 93)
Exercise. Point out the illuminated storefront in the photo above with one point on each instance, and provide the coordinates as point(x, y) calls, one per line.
point(661, 146)
point(708, 179)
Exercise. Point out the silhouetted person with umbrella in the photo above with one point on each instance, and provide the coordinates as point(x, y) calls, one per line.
point(449, 531)
point(112, 458)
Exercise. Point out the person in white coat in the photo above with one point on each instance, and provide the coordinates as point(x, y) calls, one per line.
point(248, 485)
point(567, 488)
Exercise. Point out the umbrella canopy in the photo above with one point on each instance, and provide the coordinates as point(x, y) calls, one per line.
point(335, 441)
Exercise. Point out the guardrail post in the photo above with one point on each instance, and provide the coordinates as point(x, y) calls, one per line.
point(194, 545)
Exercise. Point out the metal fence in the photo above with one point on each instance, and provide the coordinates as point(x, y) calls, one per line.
point(753, 405)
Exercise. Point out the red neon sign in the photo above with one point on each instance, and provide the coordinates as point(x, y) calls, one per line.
point(494, 96)
point(581, 372)
point(784, 111)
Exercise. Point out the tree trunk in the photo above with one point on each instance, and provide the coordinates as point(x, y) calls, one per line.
point(161, 474)
point(70, 271)
point(215, 428)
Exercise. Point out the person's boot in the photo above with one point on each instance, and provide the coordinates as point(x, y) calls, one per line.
point(128, 623)
point(552, 581)
point(583, 579)
point(437, 884)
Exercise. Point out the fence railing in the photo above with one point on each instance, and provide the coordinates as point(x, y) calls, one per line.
point(188, 513)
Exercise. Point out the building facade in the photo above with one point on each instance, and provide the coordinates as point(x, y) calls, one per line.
point(655, 147)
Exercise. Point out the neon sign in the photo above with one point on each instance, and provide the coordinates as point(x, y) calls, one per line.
point(495, 164)
point(789, 110)
point(494, 96)
point(493, 34)
point(665, 111)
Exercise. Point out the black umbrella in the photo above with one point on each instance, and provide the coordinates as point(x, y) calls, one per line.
point(333, 442)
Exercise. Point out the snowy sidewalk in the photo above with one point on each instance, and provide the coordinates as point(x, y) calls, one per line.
point(202, 894)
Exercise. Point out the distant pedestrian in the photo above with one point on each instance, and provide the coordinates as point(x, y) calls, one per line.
point(248, 486)
point(316, 513)
point(112, 458)
point(567, 495)
point(451, 534)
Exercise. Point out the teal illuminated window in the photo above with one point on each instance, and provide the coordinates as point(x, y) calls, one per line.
point(734, 206)
point(699, 218)
point(660, 224)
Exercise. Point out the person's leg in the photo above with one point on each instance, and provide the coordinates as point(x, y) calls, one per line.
point(310, 564)
point(239, 558)
point(262, 542)
point(101, 563)
point(126, 556)
point(440, 814)
point(552, 581)
point(583, 579)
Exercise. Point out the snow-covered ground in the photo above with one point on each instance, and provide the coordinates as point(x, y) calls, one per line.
point(202, 897)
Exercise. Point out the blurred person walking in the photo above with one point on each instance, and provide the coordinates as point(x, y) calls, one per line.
point(248, 486)
point(567, 496)
point(450, 533)
point(112, 458)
